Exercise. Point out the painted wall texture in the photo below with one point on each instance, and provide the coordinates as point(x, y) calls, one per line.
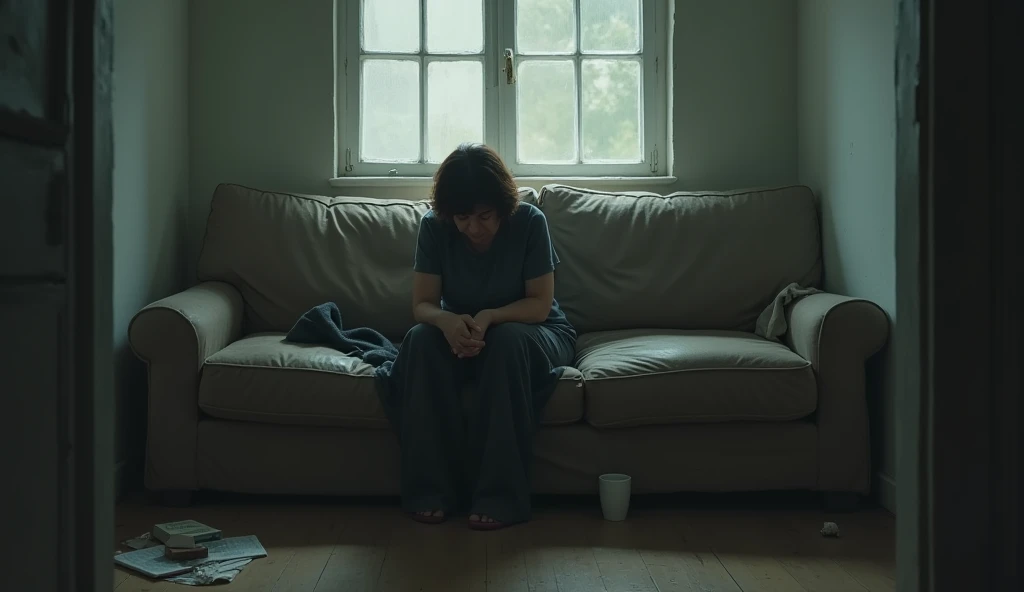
point(847, 154)
point(150, 107)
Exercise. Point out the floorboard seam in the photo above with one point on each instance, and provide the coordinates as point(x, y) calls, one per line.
point(726, 568)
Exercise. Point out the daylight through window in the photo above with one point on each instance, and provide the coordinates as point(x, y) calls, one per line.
point(558, 87)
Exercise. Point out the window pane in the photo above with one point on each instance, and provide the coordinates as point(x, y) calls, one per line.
point(455, 26)
point(390, 111)
point(455, 106)
point(610, 26)
point(611, 110)
point(391, 25)
point(545, 26)
point(546, 121)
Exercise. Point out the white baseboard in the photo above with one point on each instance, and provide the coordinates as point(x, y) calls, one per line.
point(885, 491)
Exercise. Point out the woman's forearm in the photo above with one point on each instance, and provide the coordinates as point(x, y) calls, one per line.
point(528, 310)
point(428, 313)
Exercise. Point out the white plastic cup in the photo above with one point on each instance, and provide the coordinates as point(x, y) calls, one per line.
point(615, 489)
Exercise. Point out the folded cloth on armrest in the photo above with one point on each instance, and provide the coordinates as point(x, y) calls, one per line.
point(321, 325)
point(771, 323)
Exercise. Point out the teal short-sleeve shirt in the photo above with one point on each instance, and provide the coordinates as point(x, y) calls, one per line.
point(472, 281)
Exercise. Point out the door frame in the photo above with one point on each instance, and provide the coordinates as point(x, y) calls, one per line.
point(91, 287)
point(959, 266)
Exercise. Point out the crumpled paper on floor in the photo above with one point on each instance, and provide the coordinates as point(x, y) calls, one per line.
point(215, 572)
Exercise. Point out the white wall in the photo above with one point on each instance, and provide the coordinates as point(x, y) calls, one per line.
point(847, 154)
point(734, 95)
point(261, 99)
point(261, 93)
point(150, 186)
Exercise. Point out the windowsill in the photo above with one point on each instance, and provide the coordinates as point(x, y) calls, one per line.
point(622, 183)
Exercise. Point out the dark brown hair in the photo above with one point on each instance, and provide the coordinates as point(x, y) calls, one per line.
point(473, 175)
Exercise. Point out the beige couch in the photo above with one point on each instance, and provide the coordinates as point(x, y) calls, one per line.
point(670, 384)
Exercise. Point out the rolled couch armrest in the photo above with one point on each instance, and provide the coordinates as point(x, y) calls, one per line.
point(837, 334)
point(174, 336)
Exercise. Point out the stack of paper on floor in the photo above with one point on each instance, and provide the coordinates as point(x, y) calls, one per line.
point(151, 561)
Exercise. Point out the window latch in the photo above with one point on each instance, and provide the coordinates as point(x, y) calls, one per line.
point(510, 70)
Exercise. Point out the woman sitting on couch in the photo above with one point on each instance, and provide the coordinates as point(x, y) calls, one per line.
point(483, 296)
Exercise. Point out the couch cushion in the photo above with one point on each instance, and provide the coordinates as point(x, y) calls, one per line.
point(287, 253)
point(263, 378)
point(646, 377)
point(680, 261)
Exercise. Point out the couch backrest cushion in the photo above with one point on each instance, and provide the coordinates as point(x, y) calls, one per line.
point(287, 253)
point(680, 261)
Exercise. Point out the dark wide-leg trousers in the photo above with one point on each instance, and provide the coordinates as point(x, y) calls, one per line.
point(472, 455)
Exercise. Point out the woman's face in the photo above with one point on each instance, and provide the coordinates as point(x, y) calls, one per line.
point(480, 226)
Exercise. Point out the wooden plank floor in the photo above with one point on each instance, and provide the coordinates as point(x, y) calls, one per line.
point(318, 547)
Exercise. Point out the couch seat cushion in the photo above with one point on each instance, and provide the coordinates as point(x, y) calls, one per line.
point(263, 378)
point(646, 377)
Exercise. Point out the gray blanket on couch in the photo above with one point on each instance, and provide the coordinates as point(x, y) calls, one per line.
point(321, 325)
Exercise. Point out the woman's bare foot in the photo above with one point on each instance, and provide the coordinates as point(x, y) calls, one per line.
point(482, 519)
point(434, 514)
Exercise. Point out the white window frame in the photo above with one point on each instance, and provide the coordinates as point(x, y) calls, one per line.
point(499, 99)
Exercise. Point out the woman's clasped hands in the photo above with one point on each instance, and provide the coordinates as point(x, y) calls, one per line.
point(465, 333)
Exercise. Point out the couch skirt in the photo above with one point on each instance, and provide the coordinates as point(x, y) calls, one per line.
point(249, 457)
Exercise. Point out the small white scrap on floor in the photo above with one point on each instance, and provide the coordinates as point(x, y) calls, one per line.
point(830, 529)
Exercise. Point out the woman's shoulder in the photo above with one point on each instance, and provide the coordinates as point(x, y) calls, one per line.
point(528, 209)
point(528, 214)
point(430, 220)
point(432, 228)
